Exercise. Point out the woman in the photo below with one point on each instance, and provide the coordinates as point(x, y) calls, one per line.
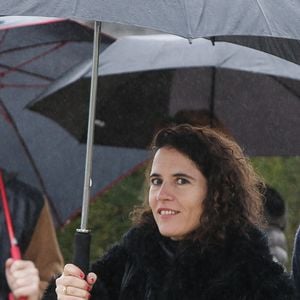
point(196, 237)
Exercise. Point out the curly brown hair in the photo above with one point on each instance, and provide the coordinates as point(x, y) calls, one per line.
point(233, 197)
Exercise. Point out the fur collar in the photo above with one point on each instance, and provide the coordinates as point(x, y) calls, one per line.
point(238, 266)
point(147, 240)
point(146, 265)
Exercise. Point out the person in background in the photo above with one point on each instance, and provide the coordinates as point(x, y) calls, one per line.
point(36, 236)
point(276, 219)
point(197, 234)
point(296, 263)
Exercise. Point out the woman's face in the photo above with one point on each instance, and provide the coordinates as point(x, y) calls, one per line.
point(177, 190)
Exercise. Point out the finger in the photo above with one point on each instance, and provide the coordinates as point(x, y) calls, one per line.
point(69, 292)
point(26, 290)
point(71, 281)
point(25, 273)
point(18, 265)
point(8, 263)
point(75, 292)
point(91, 278)
point(22, 280)
point(71, 269)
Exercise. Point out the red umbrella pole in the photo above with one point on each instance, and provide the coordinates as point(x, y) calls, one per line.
point(14, 248)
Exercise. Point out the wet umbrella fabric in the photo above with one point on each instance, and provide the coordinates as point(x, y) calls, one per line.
point(145, 81)
point(190, 19)
point(288, 49)
point(31, 58)
point(240, 21)
point(35, 51)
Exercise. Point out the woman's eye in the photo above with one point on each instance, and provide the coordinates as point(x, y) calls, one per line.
point(156, 181)
point(182, 181)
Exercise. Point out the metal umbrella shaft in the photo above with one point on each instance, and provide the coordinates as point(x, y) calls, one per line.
point(82, 235)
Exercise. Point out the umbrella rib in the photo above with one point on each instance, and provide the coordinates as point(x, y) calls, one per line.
point(3, 37)
point(35, 46)
point(33, 58)
point(21, 86)
point(265, 17)
point(187, 22)
point(16, 69)
point(290, 89)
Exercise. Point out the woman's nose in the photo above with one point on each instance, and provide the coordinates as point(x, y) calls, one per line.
point(165, 192)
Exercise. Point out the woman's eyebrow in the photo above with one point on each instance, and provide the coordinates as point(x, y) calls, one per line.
point(183, 175)
point(154, 175)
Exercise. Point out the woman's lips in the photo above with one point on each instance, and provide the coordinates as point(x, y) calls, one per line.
point(167, 212)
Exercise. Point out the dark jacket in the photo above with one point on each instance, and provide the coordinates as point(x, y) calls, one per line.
point(147, 266)
point(296, 263)
point(25, 205)
point(34, 230)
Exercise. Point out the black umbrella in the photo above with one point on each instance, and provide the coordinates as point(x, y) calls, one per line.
point(190, 19)
point(148, 81)
point(34, 52)
point(272, 27)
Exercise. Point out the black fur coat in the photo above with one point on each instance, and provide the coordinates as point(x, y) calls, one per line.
point(147, 266)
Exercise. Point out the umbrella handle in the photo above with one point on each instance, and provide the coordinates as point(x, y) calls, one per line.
point(81, 258)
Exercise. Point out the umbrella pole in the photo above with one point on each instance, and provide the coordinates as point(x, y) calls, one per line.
point(82, 235)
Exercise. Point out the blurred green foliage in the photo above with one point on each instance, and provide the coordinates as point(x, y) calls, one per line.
point(109, 214)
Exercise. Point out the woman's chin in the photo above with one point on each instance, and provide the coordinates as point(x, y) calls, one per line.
point(170, 234)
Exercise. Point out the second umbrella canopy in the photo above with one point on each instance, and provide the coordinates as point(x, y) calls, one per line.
point(148, 81)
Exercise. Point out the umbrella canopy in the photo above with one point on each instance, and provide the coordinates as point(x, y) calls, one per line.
point(33, 53)
point(238, 21)
point(189, 19)
point(147, 81)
